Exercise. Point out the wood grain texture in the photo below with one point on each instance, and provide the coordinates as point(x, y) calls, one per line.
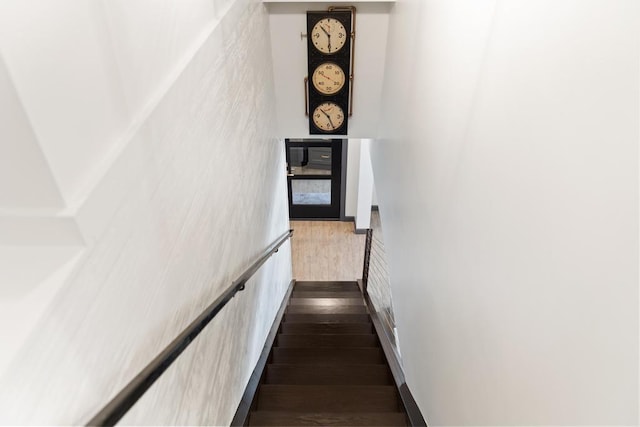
point(337, 374)
point(336, 286)
point(326, 328)
point(327, 356)
point(327, 318)
point(326, 250)
point(328, 418)
point(341, 398)
point(327, 309)
point(327, 340)
point(325, 369)
point(326, 294)
point(331, 302)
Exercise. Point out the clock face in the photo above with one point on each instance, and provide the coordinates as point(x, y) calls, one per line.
point(329, 35)
point(328, 78)
point(328, 116)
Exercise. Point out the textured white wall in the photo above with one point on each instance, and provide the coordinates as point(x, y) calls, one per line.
point(508, 188)
point(189, 189)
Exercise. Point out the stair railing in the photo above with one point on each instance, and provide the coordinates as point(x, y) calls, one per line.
point(367, 259)
point(388, 342)
point(129, 395)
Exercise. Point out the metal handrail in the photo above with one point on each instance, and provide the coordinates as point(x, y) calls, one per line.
point(129, 395)
point(367, 259)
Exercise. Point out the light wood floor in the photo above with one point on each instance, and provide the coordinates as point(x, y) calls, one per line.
point(326, 250)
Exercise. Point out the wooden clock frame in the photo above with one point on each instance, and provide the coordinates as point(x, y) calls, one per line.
point(342, 58)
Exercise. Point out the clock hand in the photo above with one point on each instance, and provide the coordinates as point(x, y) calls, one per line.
point(328, 118)
point(331, 123)
point(328, 36)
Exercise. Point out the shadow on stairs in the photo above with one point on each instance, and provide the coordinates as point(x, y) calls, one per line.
point(326, 367)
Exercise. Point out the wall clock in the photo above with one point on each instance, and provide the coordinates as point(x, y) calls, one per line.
point(329, 35)
point(328, 117)
point(329, 57)
point(328, 78)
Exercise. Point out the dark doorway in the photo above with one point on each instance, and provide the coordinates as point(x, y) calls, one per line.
point(314, 178)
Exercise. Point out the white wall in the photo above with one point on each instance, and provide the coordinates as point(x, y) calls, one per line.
point(365, 186)
point(374, 196)
point(119, 52)
point(289, 53)
point(508, 188)
point(171, 213)
point(353, 173)
point(59, 79)
point(25, 178)
point(360, 194)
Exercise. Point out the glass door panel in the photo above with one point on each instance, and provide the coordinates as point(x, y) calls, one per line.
point(311, 192)
point(314, 178)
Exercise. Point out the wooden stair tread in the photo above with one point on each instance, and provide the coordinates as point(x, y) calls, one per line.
point(327, 309)
point(325, 328)
point(329, 285)
point(327, 340)
point(370, 355)
point(326, 366)
point(326, 301)
point(327, 398)
point(326, 294)
point(327, 318)
point(260, 418)
point(342, 374)
point(324, 282)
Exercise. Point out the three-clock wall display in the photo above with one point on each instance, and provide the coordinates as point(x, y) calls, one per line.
point(329, 45)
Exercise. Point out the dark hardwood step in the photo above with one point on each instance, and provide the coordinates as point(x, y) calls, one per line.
point(326, 366)
point(328, 374)
point(326, 294)
point(286, 419)
point(327, 398)
point(330, 302)
point(325, 328)
point(326, 286)
point(326, 309)
point(326, 340)
point(288, 355)
point(327, 318)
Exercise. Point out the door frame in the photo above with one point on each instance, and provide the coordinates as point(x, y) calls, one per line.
point(335, 211)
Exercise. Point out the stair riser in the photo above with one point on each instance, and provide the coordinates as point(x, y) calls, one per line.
point(326, 366)
point(327, 356)
point(326, 286)
point(316, 419)
point(326, 294)
point(310, 309)
point(326, 328)
point(328, 375)
point(328, 340)
point(327, 318)
point(327, 398)
point(326, 302)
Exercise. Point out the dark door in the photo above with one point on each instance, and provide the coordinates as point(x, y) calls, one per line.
point(314, 169)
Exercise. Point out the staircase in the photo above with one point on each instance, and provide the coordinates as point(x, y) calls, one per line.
point(326, 367)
